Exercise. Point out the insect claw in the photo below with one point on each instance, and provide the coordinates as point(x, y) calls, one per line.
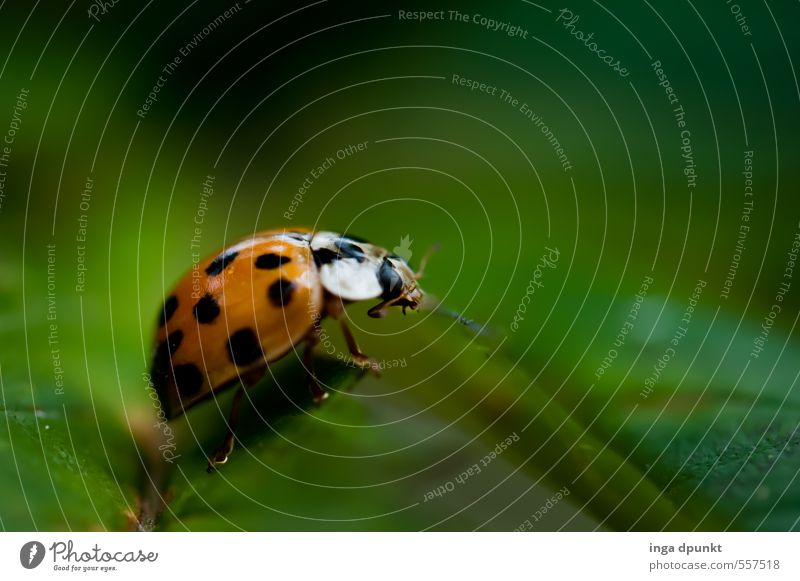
point(220, 457)
point(319, 396)
point(374, 367)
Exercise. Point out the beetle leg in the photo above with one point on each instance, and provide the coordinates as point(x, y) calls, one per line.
point(221, 454)
point(359, 358)
point(312, 339)
point(336, 311)
point(380, 309)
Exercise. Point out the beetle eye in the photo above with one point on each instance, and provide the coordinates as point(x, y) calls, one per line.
point(390, 280)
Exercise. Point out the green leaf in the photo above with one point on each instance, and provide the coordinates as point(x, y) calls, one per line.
point(718, 430)
point(323, 469)
point(58, 480)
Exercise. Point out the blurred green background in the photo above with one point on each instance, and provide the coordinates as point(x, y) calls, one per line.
point(689, 424)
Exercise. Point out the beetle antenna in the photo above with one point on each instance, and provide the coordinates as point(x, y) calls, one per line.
point(424, 261)
point(435, 306)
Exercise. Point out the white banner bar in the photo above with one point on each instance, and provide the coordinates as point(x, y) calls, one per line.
point(401, 556)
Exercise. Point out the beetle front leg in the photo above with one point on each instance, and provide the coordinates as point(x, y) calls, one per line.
point(336, 311)
point(359, 358)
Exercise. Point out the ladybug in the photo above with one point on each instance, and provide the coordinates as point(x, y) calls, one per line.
point(251, 303)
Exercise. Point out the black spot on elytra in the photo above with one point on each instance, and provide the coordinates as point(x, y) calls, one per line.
point(167, 310)
point(166, 348)
point(162, 365)
point(206, 309)
point(280, 292)
point(158, 375)
point(271, 261)
point(221, 262)
point(174, 341)
point(390, 280)
point(188, 379)
point(348, 249)
point(324, 256)
point(243, 347)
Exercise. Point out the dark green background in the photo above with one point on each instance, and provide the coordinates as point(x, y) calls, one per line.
point(276, 89)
